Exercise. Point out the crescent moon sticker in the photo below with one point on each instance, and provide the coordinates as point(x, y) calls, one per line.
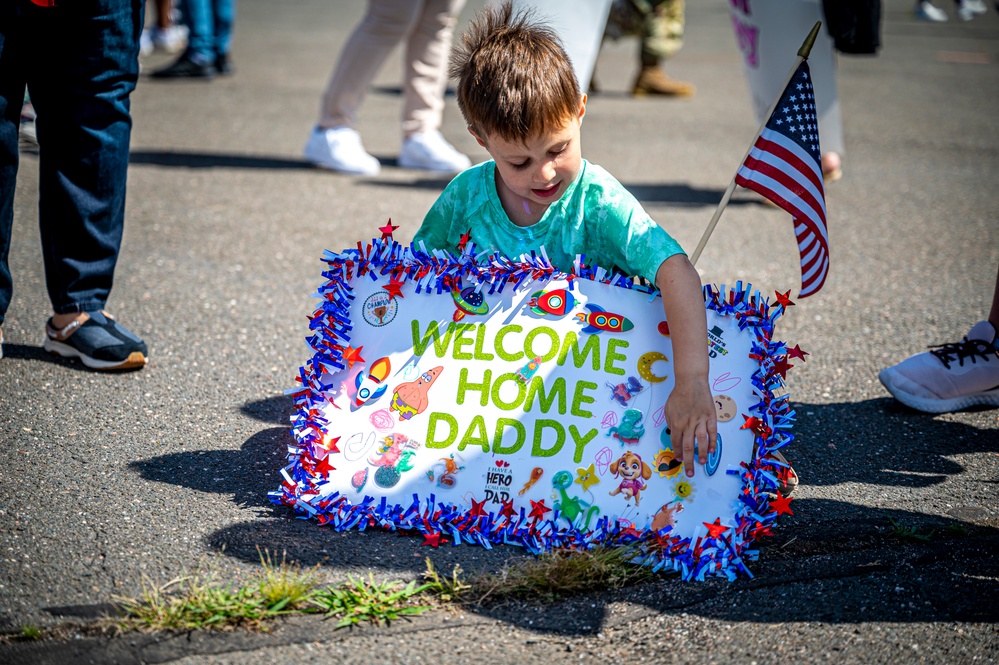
point(645, 363)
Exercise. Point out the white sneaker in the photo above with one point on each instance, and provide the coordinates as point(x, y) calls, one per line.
point(950, 376)
point(171, 39)
point(969, 9)
point(146, 46)
point(927, 11)
point(340, 149)
point(430, 151)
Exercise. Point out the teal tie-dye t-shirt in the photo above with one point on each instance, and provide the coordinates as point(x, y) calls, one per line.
point(596, 217)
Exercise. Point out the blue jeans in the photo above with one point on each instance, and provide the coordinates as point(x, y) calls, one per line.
point(209, 24)
point(79, 61)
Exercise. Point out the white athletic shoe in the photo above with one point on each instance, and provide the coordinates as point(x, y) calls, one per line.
point(430, 151)
point(950, 376)
point(340, 149)
point(927, 11)
point(969, 9)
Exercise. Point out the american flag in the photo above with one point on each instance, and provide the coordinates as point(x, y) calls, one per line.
point(785, 166)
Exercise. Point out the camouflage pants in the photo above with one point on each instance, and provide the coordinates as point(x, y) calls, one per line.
point(657, 23)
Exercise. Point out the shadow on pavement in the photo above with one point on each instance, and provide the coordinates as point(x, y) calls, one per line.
point(881, 442)
point(207, 160)
point(683, 195)
point(831, 561)
point(247, 474)
point(276, 409)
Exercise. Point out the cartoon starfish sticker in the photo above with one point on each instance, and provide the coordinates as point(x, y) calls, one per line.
point(587, 477)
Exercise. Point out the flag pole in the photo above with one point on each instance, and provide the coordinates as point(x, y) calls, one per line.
point(806, 48)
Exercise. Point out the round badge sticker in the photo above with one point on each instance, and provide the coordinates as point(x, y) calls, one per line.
point(379, 309)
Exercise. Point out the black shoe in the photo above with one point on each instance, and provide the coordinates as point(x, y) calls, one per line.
point(99, 341)
point(222, 64)
point(185, 67)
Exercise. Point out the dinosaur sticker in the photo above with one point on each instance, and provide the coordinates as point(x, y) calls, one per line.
point(631, 428)
point(576, 511)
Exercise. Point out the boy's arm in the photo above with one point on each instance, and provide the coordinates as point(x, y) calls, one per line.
point(690, 410)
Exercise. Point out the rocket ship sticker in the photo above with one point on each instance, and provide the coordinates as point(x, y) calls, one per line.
point(555, 303)
point(599, 320)
point(371, 385)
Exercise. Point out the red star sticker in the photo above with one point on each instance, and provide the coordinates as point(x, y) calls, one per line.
point(465, 238)
point(630, 531)
point(323, 466)
point(752, 422)
point(538, 509)
point(432, 539)
point(507, 509)
point(716, 529)
point(477, 509)
point(329, 444)
point(784, 299)
point(782, 504)
point(781, 367)
point(394, 288)
point(389, 228)
point(796, 352)
point(352, 355)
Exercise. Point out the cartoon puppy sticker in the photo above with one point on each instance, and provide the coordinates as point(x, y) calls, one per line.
point(411, 398)
point(634, 472)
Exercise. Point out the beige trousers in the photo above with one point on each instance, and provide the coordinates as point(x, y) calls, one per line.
point(428, 27)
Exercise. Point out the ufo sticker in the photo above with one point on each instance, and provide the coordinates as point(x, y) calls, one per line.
point(468, 301)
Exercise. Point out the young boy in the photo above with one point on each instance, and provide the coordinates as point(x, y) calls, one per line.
point(519, 96)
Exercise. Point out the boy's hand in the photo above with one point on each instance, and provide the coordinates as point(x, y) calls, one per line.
point(690, 415)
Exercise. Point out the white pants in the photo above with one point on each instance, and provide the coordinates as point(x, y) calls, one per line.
point(428, 27)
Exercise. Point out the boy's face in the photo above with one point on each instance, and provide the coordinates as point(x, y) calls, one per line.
point(539, 170)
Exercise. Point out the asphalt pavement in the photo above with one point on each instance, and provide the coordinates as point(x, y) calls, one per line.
point(107, 481)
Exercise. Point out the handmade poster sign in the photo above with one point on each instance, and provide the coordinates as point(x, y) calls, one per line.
point(491, 400)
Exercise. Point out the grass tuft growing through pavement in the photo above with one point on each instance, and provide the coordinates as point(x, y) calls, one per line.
point(282, 588)
point(906, 532)
point(378, 602)
point(553, 575)
point(190, 603)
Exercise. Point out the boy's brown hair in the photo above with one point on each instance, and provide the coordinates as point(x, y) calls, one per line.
point(514, 78)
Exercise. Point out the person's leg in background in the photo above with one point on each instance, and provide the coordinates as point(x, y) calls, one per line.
point(661, 38)
point(951, 376)
point(334, 143)
point(198, 59)
point(84, 67)
point(14, 39)
point(424, 84)
point(224, 18)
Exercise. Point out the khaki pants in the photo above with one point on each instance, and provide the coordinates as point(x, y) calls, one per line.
point(428, 27)
point(657, 23)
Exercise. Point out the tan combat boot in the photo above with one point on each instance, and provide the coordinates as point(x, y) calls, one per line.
point(652, 81)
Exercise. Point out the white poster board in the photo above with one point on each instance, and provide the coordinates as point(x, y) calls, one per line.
point(580, 25)
point(769, 34)
point(507, 402)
